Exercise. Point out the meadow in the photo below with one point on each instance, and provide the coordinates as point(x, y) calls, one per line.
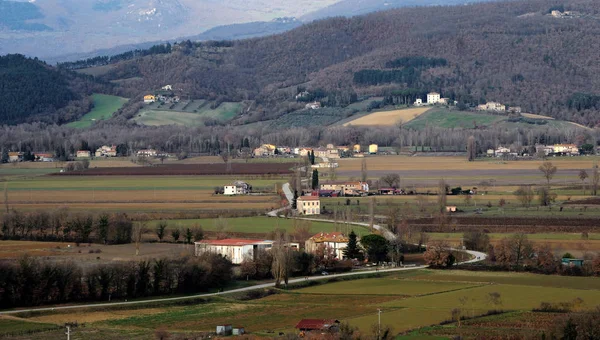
point(104, 107)
point(409, 301)
point(388, 118)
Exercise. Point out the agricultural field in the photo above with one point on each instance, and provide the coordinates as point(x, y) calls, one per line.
point(148, 194)
point(104, 107)
point(444, 118)
point(388, 118)
point(409, 301)
point(186, 112)
point(188, 170)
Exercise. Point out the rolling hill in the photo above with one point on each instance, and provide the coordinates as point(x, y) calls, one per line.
point(34, 91)
point(547, 65)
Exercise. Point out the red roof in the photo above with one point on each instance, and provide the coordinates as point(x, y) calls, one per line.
point(316, 324)
point(231, 242)
point(308, 198)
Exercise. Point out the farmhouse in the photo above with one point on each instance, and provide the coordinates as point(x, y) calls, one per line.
point(373, 149)
point(433, 98)
point(167, 88)
point(84, 154)
point(44, 157)
point(313, 106)
point(149, 98)
point(356, 148)
point(318, 325)
point(492, 106)
point(545, 149)
point(308, 205)
point(568, 149)
point(147, 153)
point(265, 150)
point(347, 188)
point(418, 102)
point(336, 242)
point(15, 156)
point(106, 151)
point(237, 188)
point(233, 249)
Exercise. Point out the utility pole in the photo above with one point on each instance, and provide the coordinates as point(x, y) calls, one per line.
point(68, 332)
point(379, 323)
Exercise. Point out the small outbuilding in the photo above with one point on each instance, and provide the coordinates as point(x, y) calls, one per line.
point(224, 330)
point(239, 331)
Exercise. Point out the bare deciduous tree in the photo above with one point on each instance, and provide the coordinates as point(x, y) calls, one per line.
point(363, 171)
point(548, 171)
point(583, 175)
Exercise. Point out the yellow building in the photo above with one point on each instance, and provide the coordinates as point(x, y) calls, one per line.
point(356, 148)
point(373, 149)
point(149, 99)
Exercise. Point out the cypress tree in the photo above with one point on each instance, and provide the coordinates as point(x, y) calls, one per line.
point(315, 179)
point(352, 250)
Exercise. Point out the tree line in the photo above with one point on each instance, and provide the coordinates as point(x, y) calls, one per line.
point(64, 225)
point(33, 282)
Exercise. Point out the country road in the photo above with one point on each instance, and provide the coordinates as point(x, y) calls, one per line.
point(477, 256)
point(245, 289)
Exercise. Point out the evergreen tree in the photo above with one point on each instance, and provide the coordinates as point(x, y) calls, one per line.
point(311, 157)
point(315, 179)
point(294, 202)
point(352, 251)
point(4, 158)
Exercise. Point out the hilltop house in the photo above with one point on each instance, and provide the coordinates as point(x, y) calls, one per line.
point(313, 106)
point(149, 98)
point(106, 151)
point(233, 249)
point(492, 106)
point(167, 88)
point(308, 205)
point(433, 98)
point(336, 242)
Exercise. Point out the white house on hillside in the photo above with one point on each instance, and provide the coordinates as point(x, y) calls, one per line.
point(433, 98)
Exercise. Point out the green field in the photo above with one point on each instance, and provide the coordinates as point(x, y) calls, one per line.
point(409, 300)
point(188, 113)
point(12, 327)
point(104, 107)
point(260, 225)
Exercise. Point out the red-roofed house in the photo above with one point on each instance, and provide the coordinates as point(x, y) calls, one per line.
point(308, 205)
point(233, 249)
point(321, 325)
point(335, 241)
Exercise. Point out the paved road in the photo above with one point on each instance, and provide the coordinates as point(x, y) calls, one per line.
point(477, 257)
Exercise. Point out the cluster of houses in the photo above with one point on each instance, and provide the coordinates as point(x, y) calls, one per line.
point(546, 150)
point(165, 95)
point(498, 107)
point(330, 151)
point(237, 250)
point(111, 151)
point(14, 157)
point(433, 98)
point(237, 188)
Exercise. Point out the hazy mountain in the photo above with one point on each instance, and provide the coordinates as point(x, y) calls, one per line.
point(47, 28)
point(350, 8)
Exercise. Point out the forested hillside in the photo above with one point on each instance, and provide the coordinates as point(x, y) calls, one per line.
point(512, 52)
point(30, 90)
